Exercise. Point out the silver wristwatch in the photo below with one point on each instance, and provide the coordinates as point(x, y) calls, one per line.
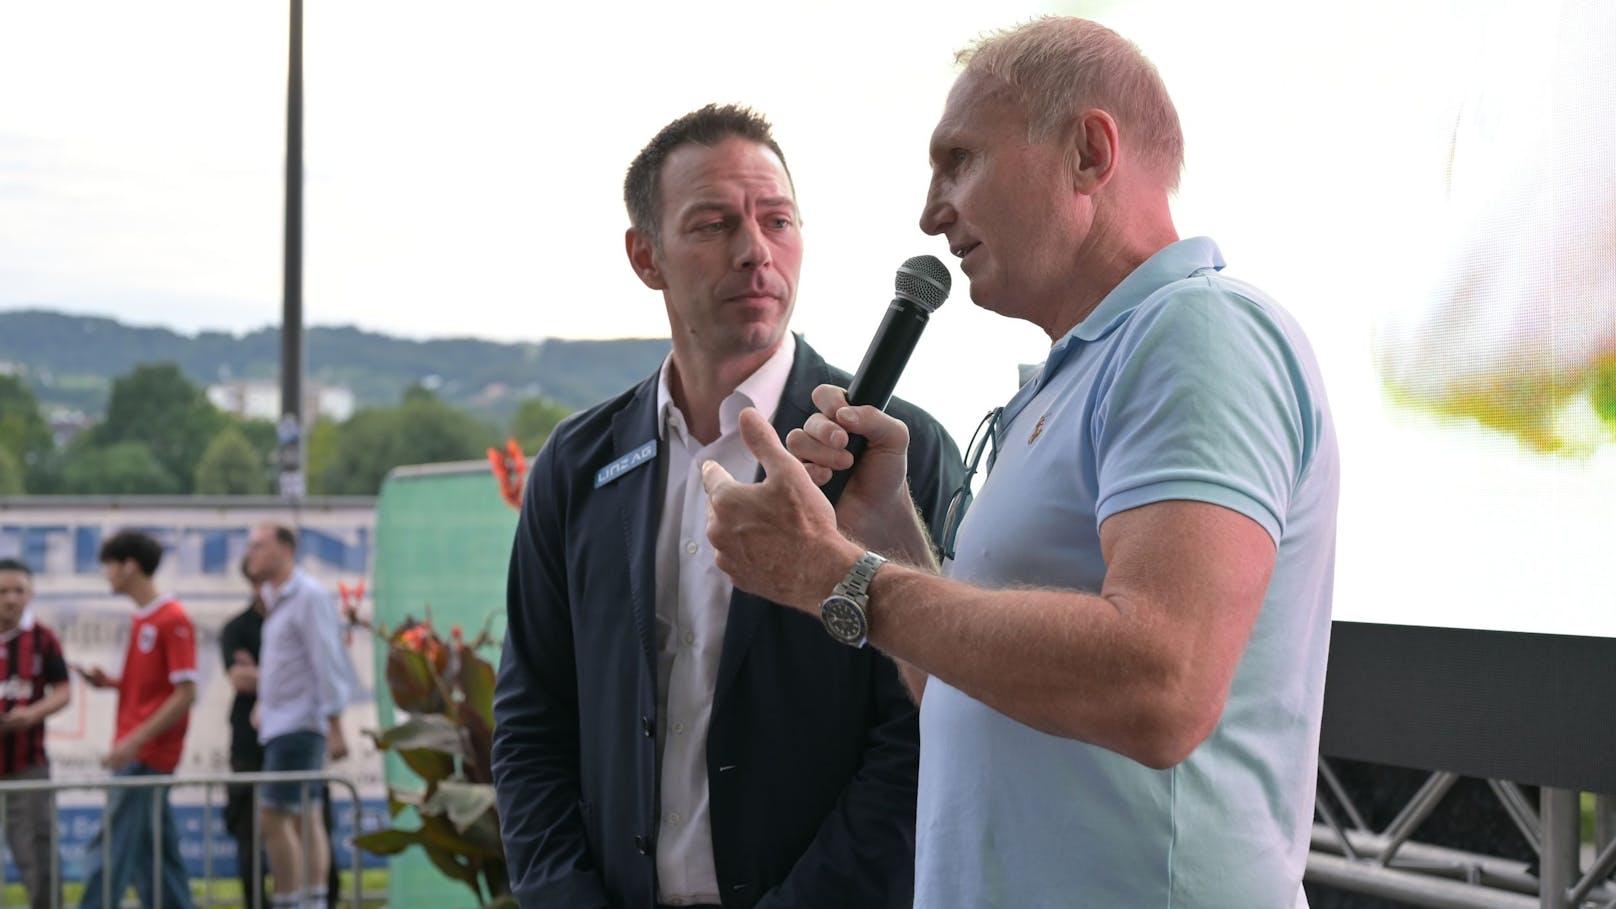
point(844, 611)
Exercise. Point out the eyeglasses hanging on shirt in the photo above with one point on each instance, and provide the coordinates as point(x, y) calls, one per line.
point(986, 438)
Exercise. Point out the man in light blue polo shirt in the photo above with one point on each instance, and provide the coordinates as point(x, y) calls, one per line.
point(1122, 658)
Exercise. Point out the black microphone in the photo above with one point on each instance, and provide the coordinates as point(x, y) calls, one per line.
point(922, 285)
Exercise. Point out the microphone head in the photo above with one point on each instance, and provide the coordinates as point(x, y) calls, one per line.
point(925, 281)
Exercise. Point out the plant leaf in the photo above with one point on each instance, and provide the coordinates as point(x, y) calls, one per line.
point(432, 766)
point(429, 731)
point(477, 684)
point(387, 842)
point(462, 803)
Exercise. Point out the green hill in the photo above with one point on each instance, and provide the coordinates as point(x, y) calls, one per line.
point(71, 360)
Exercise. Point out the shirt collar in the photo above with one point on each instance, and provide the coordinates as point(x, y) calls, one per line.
point(150, 609)
point(1173, 262)
point(762, 390)
point(272, 595)
point(25, 623)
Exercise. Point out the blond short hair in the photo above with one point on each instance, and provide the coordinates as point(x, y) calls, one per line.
point(1059, 66)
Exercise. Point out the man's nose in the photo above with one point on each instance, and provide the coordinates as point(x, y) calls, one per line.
point(751, 247)
point(937, 214)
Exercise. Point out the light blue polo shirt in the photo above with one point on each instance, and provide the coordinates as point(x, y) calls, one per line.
point(1182, 384)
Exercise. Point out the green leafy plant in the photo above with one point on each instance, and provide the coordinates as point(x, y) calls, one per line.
point(448, 692)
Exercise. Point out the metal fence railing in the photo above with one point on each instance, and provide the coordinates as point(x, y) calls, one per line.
point(159, 786)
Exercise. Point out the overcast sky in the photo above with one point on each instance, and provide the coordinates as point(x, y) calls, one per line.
point(464, 165)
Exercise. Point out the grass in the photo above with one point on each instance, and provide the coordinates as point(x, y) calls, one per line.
point(223, 893)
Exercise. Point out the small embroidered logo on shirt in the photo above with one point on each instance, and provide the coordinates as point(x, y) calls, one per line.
point(1038, 430)
point(147, 639)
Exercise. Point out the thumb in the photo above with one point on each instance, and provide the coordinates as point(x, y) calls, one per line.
point(765, 444)
point(880, 429)
point(714, 477)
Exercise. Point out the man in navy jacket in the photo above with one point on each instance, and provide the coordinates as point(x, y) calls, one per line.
point(662, 738)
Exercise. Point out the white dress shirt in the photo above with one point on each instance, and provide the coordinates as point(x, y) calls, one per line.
point(692, 611)
point(304, 676)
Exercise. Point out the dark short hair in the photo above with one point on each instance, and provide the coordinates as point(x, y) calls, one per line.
point(708, 126)
point(285, 536)
point(132, 544)
point(9, 564)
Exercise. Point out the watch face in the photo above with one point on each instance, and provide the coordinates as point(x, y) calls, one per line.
point(844, 619)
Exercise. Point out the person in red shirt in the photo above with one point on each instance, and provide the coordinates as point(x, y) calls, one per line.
point(155, 693)
point(33, 685)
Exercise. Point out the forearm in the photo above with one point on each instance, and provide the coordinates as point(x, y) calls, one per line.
point(40, 710)
point(1068, 664)
point(166, 715)
point(55, 701)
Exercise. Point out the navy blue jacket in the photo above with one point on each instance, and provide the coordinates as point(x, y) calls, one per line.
point(812, 749)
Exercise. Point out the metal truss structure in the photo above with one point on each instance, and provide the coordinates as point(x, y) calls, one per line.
point(1348, 854)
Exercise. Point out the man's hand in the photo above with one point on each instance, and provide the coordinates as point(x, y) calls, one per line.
point(95, 677)
point(778, 538)
point(18, 718)
point(877, 494)
point(336, 741)
point(243, 672)
point(121, 756)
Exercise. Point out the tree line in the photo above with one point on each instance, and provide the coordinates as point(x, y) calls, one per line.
point(161, 435)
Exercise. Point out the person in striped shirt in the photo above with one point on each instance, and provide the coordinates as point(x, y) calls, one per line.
point(33, 685)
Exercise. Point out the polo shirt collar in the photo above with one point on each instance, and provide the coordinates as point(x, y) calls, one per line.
point(1173, 262)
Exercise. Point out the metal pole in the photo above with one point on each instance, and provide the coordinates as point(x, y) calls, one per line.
point(107, 815)
point(353, 851)
point(307, 871)
point(1415, 812)
point(55, 858)
point(1604, 821)
point(291, 425)
point(257, 853)
point(5, 807)
point(1404, 886)
point(157, 846)
point(207, 847)
point(1561, 819)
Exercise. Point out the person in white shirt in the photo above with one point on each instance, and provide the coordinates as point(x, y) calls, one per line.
point(303, 684)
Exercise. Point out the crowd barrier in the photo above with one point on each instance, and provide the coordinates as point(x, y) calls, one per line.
point(211, 870)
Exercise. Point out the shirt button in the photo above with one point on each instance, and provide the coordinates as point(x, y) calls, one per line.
point(678, 728)
point(673, 820)
point(691, 548)
point(690, 637)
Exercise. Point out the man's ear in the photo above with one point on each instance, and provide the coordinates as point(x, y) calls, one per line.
point(641, 251)
point(1094, 151)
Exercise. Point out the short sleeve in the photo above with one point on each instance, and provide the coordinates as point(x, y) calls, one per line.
point(1202, 403)
point(178, 640)
point(54, 670)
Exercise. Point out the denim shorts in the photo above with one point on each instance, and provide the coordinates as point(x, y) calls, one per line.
point(301, 750)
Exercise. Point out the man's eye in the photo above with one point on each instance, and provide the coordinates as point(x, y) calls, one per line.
point(710, 227)
point(780, 222)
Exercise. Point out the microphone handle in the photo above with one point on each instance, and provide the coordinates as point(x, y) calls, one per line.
point(838, 480)
point(878, 374)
